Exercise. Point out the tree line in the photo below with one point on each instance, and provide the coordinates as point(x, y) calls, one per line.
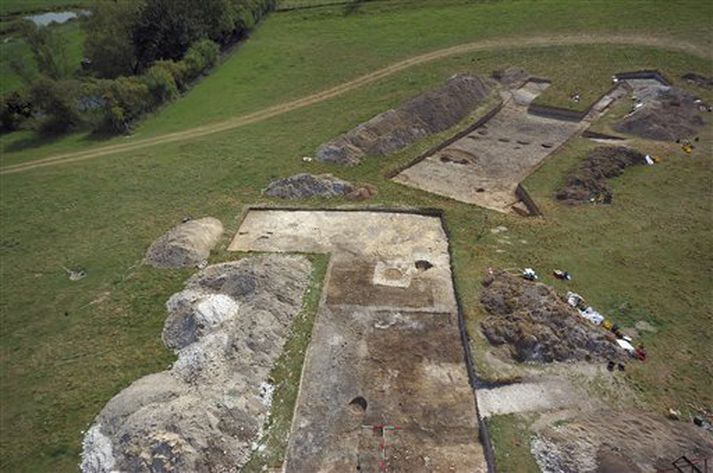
point(139, 54)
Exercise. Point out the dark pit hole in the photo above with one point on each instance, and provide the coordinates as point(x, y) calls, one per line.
point(423, 265)
point(449, 159)
point(504, 140)
point(359, 402)
point(479, 189)
point(547, 145)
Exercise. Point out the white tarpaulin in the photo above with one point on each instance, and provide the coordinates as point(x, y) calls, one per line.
point(592, 315)
point(625, 345)
point(573, 299)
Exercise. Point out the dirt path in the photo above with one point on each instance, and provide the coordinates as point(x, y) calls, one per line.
point(279, 109)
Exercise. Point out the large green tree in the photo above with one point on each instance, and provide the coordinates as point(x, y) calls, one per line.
point(128, 36)
point(109, 43)
point(49, 52)
point(165, 29)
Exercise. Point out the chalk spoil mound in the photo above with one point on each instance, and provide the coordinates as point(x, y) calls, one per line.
point(186, 244)
point(204, 414)
point(531, 323)
point(670, 115)
point(588, 183)
point(428, 113)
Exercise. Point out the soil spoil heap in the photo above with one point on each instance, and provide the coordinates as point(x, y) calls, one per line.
point(186, 244)
point(588, 182)
point(532, 324)
point(227, 327)
point(669, 115)
point(305, 185)
point(613, 441)
point(431, 112)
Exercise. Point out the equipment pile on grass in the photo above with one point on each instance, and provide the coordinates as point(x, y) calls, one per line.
point(206, 413)
point(531, 323)
point(669, 115)
point(431, 112)
point(588, 182)
point(187, 244)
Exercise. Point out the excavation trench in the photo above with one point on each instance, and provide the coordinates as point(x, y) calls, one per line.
point(384, 374)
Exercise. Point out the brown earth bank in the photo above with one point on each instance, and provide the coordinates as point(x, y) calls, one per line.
point(428, 113)
point(588, 183)
point(529, 322)
point(612, 441)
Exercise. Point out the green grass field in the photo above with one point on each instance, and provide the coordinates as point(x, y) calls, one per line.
point(68, 347)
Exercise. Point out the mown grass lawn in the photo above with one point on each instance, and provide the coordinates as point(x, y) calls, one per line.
point(67, 347)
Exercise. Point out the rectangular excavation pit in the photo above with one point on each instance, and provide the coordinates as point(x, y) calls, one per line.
point(485, 166)
point(385, 377)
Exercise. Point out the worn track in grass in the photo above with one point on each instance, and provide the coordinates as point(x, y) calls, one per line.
point(281, 108)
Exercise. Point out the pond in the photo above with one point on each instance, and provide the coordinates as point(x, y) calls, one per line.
point(45, 19)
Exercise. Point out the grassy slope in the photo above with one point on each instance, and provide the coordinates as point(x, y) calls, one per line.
point(284, 59)
point(70, 32)
point(59, 370)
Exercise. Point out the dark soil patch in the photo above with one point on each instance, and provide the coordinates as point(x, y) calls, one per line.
point(699, 80)
point(611, 461)
point(351, 284)
point(673, 114)
point(532, 323)
point(600, 136)
point(511, 77)
point(449, 159)
point(588, 182)
point(423, 265)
